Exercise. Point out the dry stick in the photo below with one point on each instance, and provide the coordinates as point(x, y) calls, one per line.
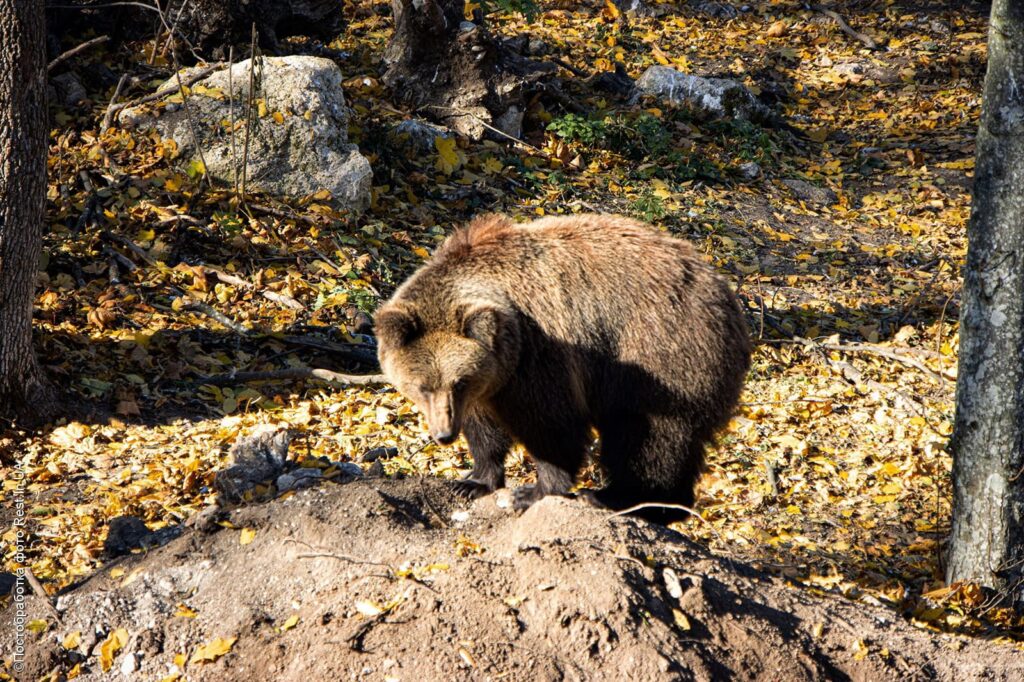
point(75, 50)
point(901, 355)
point(191, 123)
point(854, 375)
point(231, 118)
point(890, 353)
point(163, 92)
point(109, 115)
point(221, 318)
point(868, 41)
point(250, 106)
point(171, 29)
point(274, 296)
point(37, 588)
point(485, 124)
point(294, 373)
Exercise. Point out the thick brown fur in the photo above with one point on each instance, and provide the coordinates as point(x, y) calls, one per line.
point(535, 333)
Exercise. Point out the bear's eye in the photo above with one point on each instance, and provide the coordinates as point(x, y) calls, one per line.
point(459, 386)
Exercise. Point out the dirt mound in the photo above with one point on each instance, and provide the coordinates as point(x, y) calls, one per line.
point(400, 580)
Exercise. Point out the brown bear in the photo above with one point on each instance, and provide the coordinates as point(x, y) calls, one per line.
point(539, 333)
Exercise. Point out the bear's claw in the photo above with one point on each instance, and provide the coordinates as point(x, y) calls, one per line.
point(467, 487)
point(524, 496)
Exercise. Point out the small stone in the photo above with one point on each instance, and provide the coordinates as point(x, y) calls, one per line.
point(129, 664)
point(419, 135)
point(810, 193)
point(709, 98)
point(351, 469)
point(298, 479)
point(460, 516)
point(749, 170)
point(379, 453)
point(511, 122)
point(125, 533)
point(69, 89)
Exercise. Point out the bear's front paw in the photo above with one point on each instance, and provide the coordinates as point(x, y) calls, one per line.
point(471, 489)
point(524, 496)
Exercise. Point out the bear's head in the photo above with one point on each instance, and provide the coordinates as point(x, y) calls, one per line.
point(446, 366)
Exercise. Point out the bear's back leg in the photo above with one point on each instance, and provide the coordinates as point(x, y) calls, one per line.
point(650, 458)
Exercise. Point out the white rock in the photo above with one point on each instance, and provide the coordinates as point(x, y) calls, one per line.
point(710, 98)
point(299, 145)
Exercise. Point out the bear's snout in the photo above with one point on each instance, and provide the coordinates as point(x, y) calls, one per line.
point(444, 436)
point(444, 427)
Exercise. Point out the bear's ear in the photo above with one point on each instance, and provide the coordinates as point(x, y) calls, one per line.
point(396, 325)
point(482, 322)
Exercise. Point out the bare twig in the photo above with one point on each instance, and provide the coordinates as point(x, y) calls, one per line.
point(868, 41)
point(76, 50)
point(903, 356)
point(250, 107)
point(294, 373)
point(107, 117)
point(163, 92)
point(221, 318)
point(430, 505)
point(275, 296)
point(191, 122)
point(231, 119)
point(37, 588)
point(485, 124)
point(128, 244)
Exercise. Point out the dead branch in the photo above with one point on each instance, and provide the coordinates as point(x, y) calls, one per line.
point(162, 92)
point(109, 115)
point(63, 57)
point(191, 122)
point(37, 588)
point(902, 355)
point(293, 374)
point(868, 41)
point(274, 296)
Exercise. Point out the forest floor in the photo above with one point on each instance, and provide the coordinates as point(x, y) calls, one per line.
point(834, 475)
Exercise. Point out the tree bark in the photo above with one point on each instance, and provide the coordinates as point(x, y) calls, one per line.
point(455, 71)
point(23, 147)
point(987, 544)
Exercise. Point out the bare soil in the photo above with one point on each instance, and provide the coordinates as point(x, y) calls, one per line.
point(400, 579)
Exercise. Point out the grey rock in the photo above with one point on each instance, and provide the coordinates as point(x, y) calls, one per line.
point(511, 122)
point(718, 10)
point(298, 479)
point(863, 69)
point(69, 89)
point(419, 135)
point(306, 152)
point(129, 664)
point(749, 170)
point(709, 98)
point(350, 469)
point(7, 583)
point(255, 458)
point(125, 533)
point(378, 453)
point(811, 193)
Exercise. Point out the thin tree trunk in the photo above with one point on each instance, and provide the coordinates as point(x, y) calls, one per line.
point(987, 544)
point(23, 149)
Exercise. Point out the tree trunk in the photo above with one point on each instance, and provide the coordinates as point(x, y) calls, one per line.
point(23, 148)
point(987, 544)
point(455, 71)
